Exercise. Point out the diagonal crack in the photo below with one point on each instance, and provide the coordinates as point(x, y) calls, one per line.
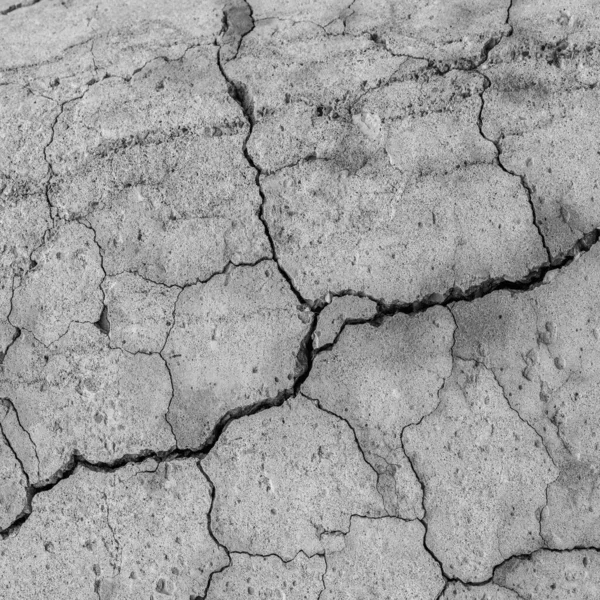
point(499, 163)
point(239, 93)
point(13, 7)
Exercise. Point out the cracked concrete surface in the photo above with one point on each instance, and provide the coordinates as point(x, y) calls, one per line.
point(298, 300)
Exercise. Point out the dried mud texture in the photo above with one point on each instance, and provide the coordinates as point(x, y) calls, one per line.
point(155, 165)
point(61, 49)
point(284, 477)
point(455, 33)
point(298, 300)
point(488, 591)
point(62, 287)
point(139, 532)
point(380, 380)
point(141, 312)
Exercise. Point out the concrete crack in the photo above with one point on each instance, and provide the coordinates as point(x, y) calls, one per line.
point(240, 94)
point(19, 5)
point(499, 163)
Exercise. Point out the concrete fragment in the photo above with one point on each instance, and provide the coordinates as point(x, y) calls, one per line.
point(80, 397)
point(140, 312)
point(334, 231)
point(269, 577)
point(383, 558)
point(381, 379)
point(285, 476)
point(156, 166)
point(485, 473)
point(62, 287)
point(546, 74)
point(454, 33)
point(62, 48)
point(553, 576)
point(235, 342)
point(490, 591)
point(520, 337)
point(137, 532)
point(341, 310)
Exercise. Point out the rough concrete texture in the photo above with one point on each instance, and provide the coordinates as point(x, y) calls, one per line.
point(380, 380)
point(551, 575)
point(269, 471)
point(543, 348)
point(138, 532)
point(234, 343)
point(269, 577)
point(485, 473)
point(382, 558)
point(298, 299)
point(488, 591)
point(79, 397)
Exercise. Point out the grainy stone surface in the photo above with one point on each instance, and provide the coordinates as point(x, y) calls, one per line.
point(455, 33)
point(286, 476)
point(13, 479)
point(553, 576)
point(485, 473)
point(543, 347)
point(269, 577)
point(139, 532)
point(234, 343)
point(139, 312)
point(61, 287)
point(298, 299)
point(80, 397)
point(382, 558)
point(381, 379)
point(155, 164)
point(545, 75)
